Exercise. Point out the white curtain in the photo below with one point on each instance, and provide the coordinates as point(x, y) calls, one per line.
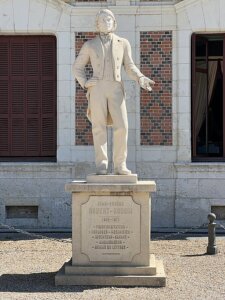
point(201, 100)
point(212, 70)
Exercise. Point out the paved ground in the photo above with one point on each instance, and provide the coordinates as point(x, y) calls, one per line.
point(28, 267)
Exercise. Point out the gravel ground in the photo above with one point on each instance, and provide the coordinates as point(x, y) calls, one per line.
point(28, 267)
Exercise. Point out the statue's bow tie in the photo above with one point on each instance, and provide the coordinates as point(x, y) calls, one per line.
point(105, 38)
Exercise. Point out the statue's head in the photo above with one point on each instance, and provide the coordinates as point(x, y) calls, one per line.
point(105, 21)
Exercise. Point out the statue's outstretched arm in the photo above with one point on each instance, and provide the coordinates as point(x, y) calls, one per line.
point(132, 71)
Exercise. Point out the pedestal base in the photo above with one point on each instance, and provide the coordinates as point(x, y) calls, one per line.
point(152, 275)
point(111, 234)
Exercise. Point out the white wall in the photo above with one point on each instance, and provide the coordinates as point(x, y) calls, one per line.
point(155, 162)
point(198, 185)
point(42, 184)
point(185, 191)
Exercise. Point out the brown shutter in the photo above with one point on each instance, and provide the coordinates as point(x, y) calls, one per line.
point(18, 118)
point(33, 117)
point(48, 104)
point(33, 97)
point(4, 96)
point(17, 100)
point(4, 121)
point(27, 96)
point(4, 142)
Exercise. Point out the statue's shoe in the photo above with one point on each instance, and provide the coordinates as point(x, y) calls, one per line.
point(122, 171)
point(101, 172)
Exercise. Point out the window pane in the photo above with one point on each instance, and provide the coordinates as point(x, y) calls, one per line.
point(201, 54)
point(200, 112)
point(207, 97)
point(215, 109)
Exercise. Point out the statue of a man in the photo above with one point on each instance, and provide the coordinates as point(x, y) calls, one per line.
point(107, 53)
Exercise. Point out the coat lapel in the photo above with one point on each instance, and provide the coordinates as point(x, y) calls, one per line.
point(99, 47)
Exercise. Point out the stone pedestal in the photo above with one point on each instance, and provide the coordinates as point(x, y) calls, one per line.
point(111, 234)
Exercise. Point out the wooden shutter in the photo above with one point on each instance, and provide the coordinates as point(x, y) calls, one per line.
point(48, 87)
point(4, 96)
point(28, 96)
point(33, 120)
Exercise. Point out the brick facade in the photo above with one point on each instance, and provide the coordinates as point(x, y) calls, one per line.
point(83, 126)
point(156, 107)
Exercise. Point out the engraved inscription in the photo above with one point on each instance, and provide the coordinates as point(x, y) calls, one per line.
point(110, 228)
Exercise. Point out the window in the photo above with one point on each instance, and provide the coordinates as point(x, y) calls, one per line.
point(208, 107)
point(27, 98)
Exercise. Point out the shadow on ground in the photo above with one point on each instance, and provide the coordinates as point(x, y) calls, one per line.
point(33, 236)
point(41, 283)
point(36, 282)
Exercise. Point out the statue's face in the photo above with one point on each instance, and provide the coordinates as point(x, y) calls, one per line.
point(105, 23)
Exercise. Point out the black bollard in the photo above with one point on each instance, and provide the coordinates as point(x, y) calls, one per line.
point(212, 249)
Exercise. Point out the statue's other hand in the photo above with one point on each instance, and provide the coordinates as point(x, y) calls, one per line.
point(146, 83)
point(91, 82)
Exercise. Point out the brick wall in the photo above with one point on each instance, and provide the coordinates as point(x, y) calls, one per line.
point(83, 126)
point(156, 107)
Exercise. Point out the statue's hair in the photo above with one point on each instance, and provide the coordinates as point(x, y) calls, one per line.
point(105, 12)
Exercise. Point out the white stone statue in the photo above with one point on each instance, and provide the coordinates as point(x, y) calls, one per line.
point(107, 53)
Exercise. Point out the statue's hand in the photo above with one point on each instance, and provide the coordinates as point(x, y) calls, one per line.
point(91, 82)
point(146, 83)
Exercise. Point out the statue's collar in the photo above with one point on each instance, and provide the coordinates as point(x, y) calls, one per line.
point(105, 37)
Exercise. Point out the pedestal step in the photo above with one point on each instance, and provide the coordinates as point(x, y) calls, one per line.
point(110, 178)
point(112, 276)
point(112, 270)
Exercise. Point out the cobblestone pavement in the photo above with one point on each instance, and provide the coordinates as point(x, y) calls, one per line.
point(28, 267)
